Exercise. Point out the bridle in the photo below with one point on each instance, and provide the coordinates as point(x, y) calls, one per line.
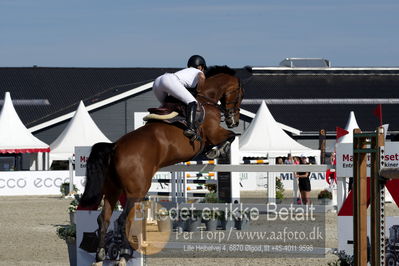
point(230, 113)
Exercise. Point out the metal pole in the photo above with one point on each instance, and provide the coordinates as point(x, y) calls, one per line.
point(271, 188)
point(70, 160)
point(174, 187)
point(377, 196)
point(184, 185)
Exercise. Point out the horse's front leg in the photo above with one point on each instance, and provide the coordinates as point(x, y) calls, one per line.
point(221, 139)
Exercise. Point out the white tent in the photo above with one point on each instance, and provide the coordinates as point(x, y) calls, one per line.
point(350, 126)
point(80, 131)
point(264, 137)
point(14, 136)
point(348, 139)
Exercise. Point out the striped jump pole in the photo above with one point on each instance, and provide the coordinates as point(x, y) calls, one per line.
point(199, 162)
point(255, 162)
point(198, 175)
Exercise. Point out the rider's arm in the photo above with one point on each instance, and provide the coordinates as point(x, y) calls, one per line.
point(201, 81)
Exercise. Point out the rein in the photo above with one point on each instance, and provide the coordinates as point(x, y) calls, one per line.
point(209, 101)
point(227, 111)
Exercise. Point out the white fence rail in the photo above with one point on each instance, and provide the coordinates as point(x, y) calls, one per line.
point(245, 168)
point(49, 182)
point(179, 192)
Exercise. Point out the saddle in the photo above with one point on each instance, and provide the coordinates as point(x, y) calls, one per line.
point(174, 111)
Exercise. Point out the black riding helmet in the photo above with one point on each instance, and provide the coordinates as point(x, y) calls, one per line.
point(195, 61)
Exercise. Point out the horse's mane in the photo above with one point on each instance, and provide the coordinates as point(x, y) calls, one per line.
point(214, 70)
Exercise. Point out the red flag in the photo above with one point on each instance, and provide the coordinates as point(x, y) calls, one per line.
point(378, 113)
point(341, 132)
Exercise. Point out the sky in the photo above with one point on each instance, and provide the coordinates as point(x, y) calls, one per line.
point(134, 33)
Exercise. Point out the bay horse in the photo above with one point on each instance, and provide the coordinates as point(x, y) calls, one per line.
point(128, 165)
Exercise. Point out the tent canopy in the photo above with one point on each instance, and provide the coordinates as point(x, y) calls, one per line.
point(350, 126)
point(80, 131)
point(265, 137)
point(14, 136)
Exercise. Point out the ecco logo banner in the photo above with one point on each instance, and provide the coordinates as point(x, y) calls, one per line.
point(36, 182)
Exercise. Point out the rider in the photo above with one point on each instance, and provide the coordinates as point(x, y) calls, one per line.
point(176, 85)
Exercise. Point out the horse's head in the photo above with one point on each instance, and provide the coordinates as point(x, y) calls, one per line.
point(231, 102)
point(227, 90)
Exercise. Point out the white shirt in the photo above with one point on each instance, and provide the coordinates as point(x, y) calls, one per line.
point(188, 77)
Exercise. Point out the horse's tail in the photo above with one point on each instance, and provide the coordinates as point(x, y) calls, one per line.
point(96, 172)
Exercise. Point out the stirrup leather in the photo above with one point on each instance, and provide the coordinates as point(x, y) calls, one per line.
point(191, 132)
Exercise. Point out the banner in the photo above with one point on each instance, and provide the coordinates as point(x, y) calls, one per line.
point(345, 158)
point(258, 181)
point(30, 183)
point(81, 155)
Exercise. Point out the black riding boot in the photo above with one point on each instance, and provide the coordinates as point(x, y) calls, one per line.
point(191, 131)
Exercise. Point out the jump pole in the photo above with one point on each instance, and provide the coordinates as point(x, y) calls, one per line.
point(364, 144)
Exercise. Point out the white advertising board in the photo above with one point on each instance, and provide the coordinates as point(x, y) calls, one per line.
point(344, 158)
point(81, 155)
point(161, 186)
point(345, 232)
point(86, 221)
point(138, 119)
point(258, 181)
point(29, 183)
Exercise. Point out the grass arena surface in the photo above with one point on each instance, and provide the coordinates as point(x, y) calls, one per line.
point(28, 224)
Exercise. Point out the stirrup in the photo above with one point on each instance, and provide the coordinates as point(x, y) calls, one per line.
point(192, 134)
point(189, 132)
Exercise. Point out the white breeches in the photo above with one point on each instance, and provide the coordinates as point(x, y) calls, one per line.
point(169, 84)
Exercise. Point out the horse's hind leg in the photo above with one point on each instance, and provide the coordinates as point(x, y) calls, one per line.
point(125, 248)
point(111, 197)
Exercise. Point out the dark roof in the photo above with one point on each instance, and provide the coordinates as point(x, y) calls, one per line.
point(340, 84)
point(65, 87)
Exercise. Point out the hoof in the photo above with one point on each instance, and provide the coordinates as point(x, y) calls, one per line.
point(225, 149)
point(144, 244)
point(100, 256)
point(121, 262)
point(213, 154)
